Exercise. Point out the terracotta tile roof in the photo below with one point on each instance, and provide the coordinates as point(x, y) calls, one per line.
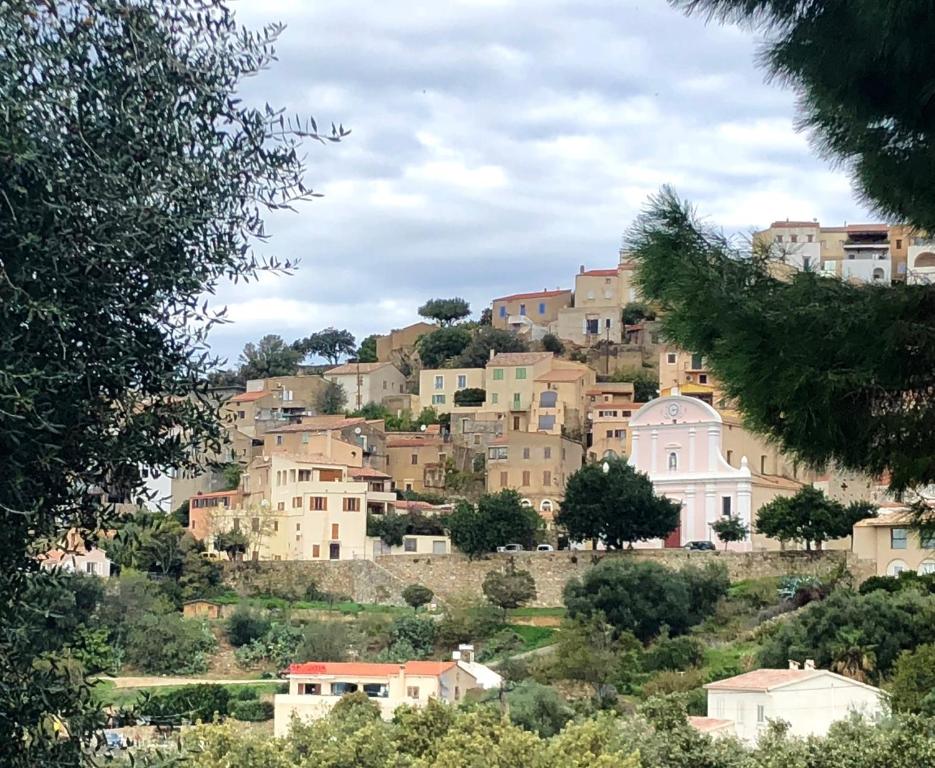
point(562, 374)
point(368, 669)
point(354, 368)
point(534, 295)
point(518, 358)
point(319, 424)
point(776, 481)
point(215, 494)
point(369, 472)
point(599, 273)
point(867, 228)
point(890, 514)
point(708, 724)
point(249, 397)
point(415, 441)
point(763, 679)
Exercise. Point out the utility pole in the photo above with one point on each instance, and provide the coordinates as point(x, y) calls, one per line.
point(607, 346)
point(358, 383)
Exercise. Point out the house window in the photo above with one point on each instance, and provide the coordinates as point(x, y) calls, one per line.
point(673, 461)
point(547, 453)
point(414, 458)
point(541, 307)
point(504, 479)
point(275, 526)
point(255, 524)
point(291, 475)
point(298, 527)
point(525, 478)
point(516, 400)
point(811, 238)
point(697, 362)
point(297, 502)
point(899, 244)
point(439, 382)
point(762, 465)
point(729, 456)
point(516, 422)
point(494, 398)
point(610, 433)
point(237, 524)
point(318, 503)
point(305, 475)
point(503, 310)
point(498, 374)
point(280, 506)
point(546, 423)
point(522, 309)
point(241, 415)
point(278, 439)
point(316, 550)
point(525, 453)
point(462, 381)
point(778, 238)
point(760, 713)
point(702, 378)
point(410, 544)
point(334, 551)
point(497, 452)
point(725, 506)
point(671, 358)
point(438, 399)
point(384, 383)
point(335, 531)
point(899, 538)
point(439, 547)
point(547, 478)
point(412, 691)
point(351, 504)
point(520, 373)
point(927, 541)
point(794, 238)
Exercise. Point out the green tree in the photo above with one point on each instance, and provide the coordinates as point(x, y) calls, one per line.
point(538, 708)
point(793, 353)
point(618, 506)
point(329, 343)
point(445, 311)
point(198, 576)
point(809, 516)
point(471, 396)
point(851, 657)
point(323, 641)
point(912, 688)
point(246, 625)
point(509, 589)
point(417, 595)
point(233, 543)
point(331, 398)
point(497, 519)
point(168, 644)
point(271, 356)
point(151, 542)
point(730, 529)
point(438, 347)
point(642, 596)
point(645, 383)
point(417, 632)
point(552, 343)
point(487, 339)
point(367, 352)
point(389, 527)
point(634, 312)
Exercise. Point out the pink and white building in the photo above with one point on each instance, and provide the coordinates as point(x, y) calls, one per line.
point(676, 440)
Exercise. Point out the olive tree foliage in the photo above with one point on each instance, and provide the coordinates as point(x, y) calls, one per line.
point(132, 181)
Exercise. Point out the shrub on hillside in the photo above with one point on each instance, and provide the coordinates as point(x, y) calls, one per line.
point(467, 620)
point(323, 641)
point(252, 711)
point(168, 644)
point(246, 625)
point(416, 631)
point(643, 596)
point(668, 681)
point(877, 627)
point(538, 708)
point(247, 693)
point(673, 653)
point(913, 685)
point(186, 704)
point(906, 580)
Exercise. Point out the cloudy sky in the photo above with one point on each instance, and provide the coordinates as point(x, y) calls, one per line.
point(498, 144)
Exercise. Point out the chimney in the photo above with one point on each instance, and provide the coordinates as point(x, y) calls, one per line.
point(793, 664)
point(492, 353)
point(810, 664)
point(581, 269)
point(467, 652)
point(456, 655)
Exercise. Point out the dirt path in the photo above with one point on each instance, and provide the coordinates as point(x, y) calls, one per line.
point(157, 682)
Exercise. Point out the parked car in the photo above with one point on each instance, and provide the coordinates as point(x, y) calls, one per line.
point(700, 546)
point(545, 548)
point(510, 548)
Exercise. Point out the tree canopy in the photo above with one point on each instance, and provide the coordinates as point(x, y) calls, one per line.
point(834, 372)
point(810, 517)
point(477, 353)
point(133, 178)
point(331, 399)
point(367, 352)
point(508, 589)
point(271, 356)
point(496, 520)
point(329, 343)
point(445, 311)
point(438, 347)
point(618, 506)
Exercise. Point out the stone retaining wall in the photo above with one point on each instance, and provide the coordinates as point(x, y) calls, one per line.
point(382, 580)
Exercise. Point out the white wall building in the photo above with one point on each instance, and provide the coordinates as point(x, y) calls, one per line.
point(676, 440)
point(367, 382)
point(809, 700)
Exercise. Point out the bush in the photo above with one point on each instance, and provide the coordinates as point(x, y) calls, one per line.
point(278, 646)
point(168, 644)
point(552, 343)
point(504, 641)
point(673, 653)
point(418, 632)
point(186, 704)
point(467, 621)
point(538, 708)
point(905, 580)
point(323, 641)
point(245, 626)
point(913, 684)
point(252, 711)
point(642, 596)
point(247, 693)
point(880, 623)
point(668, 681)
point(417, 595)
